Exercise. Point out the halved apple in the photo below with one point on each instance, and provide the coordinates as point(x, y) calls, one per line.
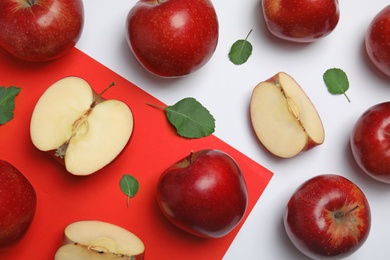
point(83, 130)
point(94, 240)
point(283, 117)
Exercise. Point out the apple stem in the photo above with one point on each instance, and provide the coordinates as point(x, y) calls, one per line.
point(31, 2)
point(101, 94)
point(341, 215)
point(109, 86)
point(191, 154)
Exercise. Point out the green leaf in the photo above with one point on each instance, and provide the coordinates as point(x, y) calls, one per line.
point(7, 103)
point(336, 81)
point(240, 51)
point(129, 186)
point(190, 118)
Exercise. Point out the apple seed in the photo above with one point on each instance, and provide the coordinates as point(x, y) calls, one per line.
point(292, 107)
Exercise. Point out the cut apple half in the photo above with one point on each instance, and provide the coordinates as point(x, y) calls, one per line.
point(94, 240)
point(283, 117)
point(78, 126)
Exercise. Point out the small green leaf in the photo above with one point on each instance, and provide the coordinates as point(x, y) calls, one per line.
point(7, 103)
point(240, 51)
point(336, 81)
point(190, 118)
point(129, 186)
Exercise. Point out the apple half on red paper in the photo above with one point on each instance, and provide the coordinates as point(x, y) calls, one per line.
point(98, 240)
point(84, 131)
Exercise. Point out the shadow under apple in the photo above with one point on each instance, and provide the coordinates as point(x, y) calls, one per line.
point(294, 253)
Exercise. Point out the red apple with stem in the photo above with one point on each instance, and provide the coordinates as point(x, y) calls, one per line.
point(370, 142)
point(40, 30)
point(204, 194)
point(377, 40)
point(301, 20)
point(17, 204)
point(172, 38)
point(328, 216)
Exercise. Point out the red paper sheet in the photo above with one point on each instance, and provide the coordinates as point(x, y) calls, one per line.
point(63, 198)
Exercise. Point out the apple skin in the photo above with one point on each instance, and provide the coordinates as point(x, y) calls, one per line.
point(328, 216)
point(370, 142)
point(17, 204)
point(172, 38)
point(40, 30)
point(301, 20)
point(377, 41)
point(204, 194)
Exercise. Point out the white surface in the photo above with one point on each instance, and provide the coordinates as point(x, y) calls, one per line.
point(225, 89)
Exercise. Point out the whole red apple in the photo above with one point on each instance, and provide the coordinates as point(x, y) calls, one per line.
point(204, 193)
point(301, 20)
point(40, 30)
point(370, 142)
point(328, 216)
point(17, 204)
point(172, 38)
point(377, 40)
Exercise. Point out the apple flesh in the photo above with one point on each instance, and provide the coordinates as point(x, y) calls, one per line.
point(301, 20)
point(40, 30)
point(17, 204)
point(370, 142)
point(283, 117)
point(204, 194)
point(94, 240)
point(172, 38)
point(377, 41)
point(83, 130)
point(328, 216)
